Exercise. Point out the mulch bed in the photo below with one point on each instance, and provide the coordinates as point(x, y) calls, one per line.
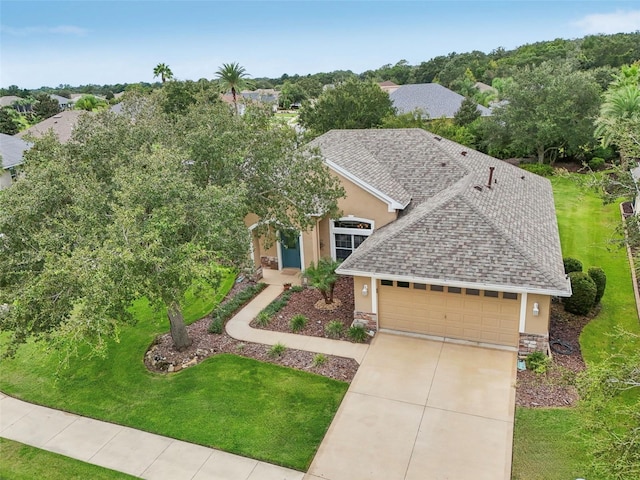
point(163, 358)
point(556, 387)
point(304, 303)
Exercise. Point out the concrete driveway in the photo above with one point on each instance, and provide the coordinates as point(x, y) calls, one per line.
point(423, 410)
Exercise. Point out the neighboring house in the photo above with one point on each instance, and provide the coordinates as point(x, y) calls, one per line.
point(483, 87)
point(61, 124)
point(16, 103)
point(11, 151)
point(434, 100)
point(440, 240)
point(64, 103)
point(388, 86)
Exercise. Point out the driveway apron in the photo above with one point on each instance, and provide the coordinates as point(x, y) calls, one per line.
point(422, 409)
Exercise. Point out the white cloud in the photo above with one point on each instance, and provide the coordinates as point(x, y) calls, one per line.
point(58, 30)
point(616, 22)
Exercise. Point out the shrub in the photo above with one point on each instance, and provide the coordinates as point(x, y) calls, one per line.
point(334, 329)
point(357, 334)
point(584, 294)
point(263, 319)
point(298, 322)
point(537, 362)
point(541, 169)
point(600, 279)
point(596, 163)
point(572, 265)
point(224, 312)
point(297, 288)
point(278, 304)
point(319, 359)
point(216, 326)
point(277, 350)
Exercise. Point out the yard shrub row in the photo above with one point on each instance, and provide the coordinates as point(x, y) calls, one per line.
point(225, 311)
point(587, 288)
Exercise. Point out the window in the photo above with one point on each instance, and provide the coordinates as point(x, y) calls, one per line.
point(454, 290)
point(419, 286)
point(437, 288)
point(472, 291)
point(490, 293)
point(347, 234)
point(386, 283)
point(509, 296)
point(402, 284)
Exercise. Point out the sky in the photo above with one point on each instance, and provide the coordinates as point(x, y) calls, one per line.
point(51, 43)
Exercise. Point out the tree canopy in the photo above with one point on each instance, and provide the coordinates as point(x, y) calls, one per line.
point(234, 78)
point(145, 208)
point(163, 71)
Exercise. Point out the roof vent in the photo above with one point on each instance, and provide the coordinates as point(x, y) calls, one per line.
point(463, 153)
point(491, 169)
point(438, 138)
point(443, 164)
point(522, 177)
point(478, 187)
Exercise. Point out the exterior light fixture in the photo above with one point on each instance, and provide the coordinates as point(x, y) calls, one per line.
point(536, 309)
point(365, 290)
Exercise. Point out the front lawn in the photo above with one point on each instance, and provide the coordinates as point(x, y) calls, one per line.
point(23, 462)
point(548, 443)
point(228, 402)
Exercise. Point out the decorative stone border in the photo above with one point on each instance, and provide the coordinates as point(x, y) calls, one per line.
point(634, 278)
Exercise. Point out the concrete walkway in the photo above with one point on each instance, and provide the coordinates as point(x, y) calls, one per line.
point(420, 409)
point(238, 327)
point(127, 450)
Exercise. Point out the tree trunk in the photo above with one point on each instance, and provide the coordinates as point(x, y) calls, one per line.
point(541, 151)
point(179, 333)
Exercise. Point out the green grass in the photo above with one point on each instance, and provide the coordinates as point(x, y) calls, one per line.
point(232, 403)
point(23, 462)
point(548, 443)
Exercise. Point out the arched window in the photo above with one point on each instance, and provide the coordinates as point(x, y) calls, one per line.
point(347, 234)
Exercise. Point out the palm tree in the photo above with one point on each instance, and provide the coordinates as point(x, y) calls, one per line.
point(163, 71)
point(233, 77)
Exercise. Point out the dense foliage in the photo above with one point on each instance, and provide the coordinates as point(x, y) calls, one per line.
point(600, 279)
point(583, 295)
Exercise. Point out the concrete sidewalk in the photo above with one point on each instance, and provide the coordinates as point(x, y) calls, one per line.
point(127, 450)
point(238, 327)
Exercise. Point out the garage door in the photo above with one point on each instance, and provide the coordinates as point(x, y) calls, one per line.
point(466, 314)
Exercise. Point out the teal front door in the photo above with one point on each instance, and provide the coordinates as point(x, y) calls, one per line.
point(290, 249)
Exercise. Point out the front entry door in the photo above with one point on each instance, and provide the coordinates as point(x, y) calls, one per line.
point(290, 249)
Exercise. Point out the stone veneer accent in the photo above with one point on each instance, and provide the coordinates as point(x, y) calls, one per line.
point(531, 342)
point(368, 320)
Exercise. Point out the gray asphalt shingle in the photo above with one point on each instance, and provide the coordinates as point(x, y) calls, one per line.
point(432, 99)
point(11, 149)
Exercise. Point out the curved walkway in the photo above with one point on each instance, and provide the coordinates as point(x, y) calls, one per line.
point(238, 327)
point(124, 449)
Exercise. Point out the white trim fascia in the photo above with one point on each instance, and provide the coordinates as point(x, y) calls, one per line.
point(301, 252)
point(374, 296)
point(393, 204)
point(279, 252)
point(523, 312)
point(455, 283)
point(347, 231)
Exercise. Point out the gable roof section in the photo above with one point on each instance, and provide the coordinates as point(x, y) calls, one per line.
point(62, 125)
point(12, 150)
point(462, 232)
point(432, 99)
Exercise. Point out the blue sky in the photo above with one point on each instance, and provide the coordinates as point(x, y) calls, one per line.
point(105, 42)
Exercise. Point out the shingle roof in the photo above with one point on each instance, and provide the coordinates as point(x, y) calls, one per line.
point(433, 99)
point(11, 150)
point(8, 100)
point(62, 125)
point(455, 229)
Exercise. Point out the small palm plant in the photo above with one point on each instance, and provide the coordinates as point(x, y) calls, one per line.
point(323, 276)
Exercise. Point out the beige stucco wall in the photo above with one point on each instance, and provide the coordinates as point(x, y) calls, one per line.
point(361, 203)
point(538, 324)
point(309, 247)
point(362, 304)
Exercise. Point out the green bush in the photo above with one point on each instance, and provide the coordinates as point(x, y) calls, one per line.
point(298, 322)
point(596, 163)
point(216, 326)
point(277, 350)
point(278, 304)
point(537, 362)
point(600, 279)
point(572, 265)
point(334, 329)
point(584, 294)
point(541, 169)
point(297, 288)
point(225, 311)
point(319, 359)
point(263, 319)
point(357, 334)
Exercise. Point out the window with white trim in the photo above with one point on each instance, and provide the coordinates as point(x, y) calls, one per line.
point(347, 234)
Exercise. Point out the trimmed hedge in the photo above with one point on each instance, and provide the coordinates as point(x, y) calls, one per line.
point(541, 169)
point(600, 279)
point(224, 312)
point(572, 265)
point(584, 294)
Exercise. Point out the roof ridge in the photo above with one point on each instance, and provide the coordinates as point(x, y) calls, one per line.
point(498, 227)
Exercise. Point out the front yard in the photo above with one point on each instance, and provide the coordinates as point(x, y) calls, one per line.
point(549, 442)
point(236, 404)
